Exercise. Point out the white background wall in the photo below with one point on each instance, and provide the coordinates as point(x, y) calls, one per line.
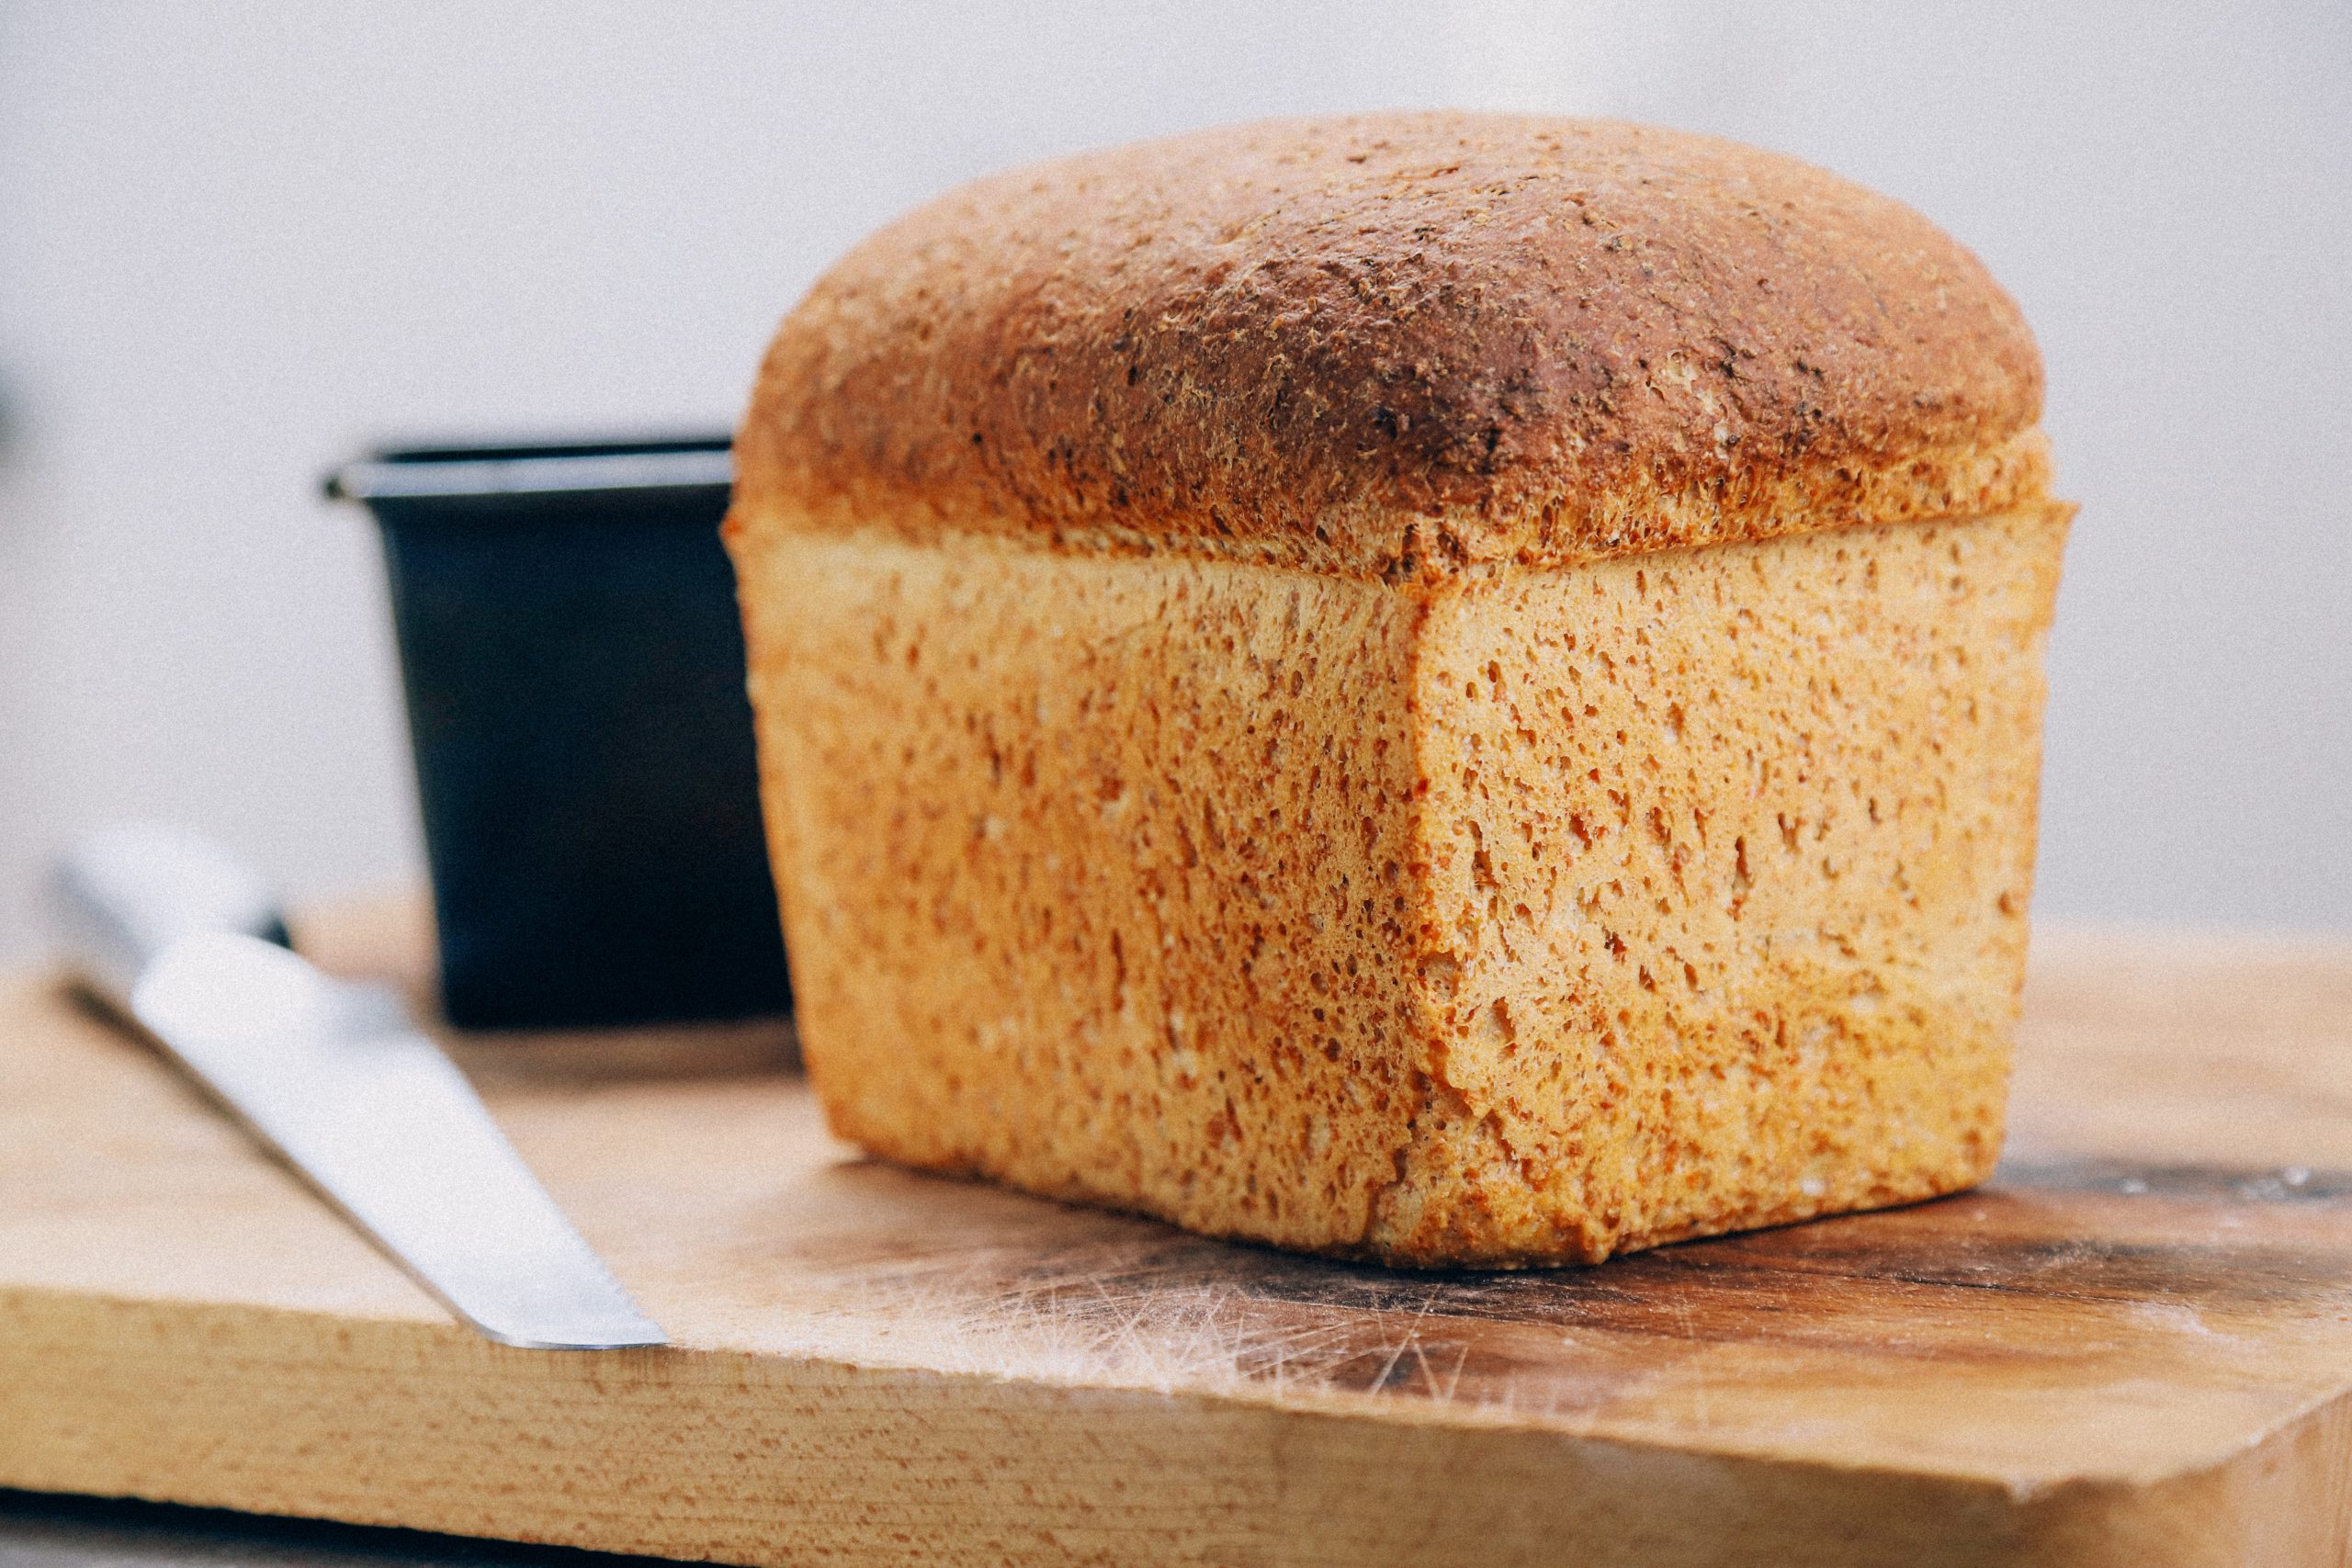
point(240, 241)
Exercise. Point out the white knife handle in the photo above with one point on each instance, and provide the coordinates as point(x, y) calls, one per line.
point(125, 894)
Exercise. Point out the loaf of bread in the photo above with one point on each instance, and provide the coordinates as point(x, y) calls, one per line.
point(1448, 689)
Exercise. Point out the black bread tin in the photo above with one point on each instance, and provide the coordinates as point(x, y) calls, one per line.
point(573, 665)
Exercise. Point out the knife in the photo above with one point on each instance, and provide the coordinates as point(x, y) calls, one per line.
point(336, 1079)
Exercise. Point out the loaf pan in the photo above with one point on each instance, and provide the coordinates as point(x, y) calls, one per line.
point(574, 666)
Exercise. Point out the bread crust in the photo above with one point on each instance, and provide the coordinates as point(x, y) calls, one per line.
point(1399, 346)
point(1473, 836)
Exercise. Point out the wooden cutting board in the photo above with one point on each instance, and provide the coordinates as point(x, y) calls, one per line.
point(2134, 1348)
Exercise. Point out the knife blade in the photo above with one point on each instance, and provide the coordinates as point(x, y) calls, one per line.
point(335, 1078)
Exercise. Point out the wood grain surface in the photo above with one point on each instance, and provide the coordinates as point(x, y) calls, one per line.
point(2133, 1348)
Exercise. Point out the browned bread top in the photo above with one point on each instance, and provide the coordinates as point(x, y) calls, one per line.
point(1395, 343)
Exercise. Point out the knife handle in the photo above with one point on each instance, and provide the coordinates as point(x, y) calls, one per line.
point(124, 894)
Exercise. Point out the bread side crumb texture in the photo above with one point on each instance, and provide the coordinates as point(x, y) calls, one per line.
point(1400, 345)
point(1523, 918)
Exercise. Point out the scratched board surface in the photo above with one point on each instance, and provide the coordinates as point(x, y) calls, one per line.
point(2135, 1345)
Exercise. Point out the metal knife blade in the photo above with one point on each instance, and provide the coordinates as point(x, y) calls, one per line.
point(336, 1080)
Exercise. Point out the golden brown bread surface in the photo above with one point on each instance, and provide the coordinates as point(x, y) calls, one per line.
point(1546, 915)
point(1455, 689)
point(1401, 343)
